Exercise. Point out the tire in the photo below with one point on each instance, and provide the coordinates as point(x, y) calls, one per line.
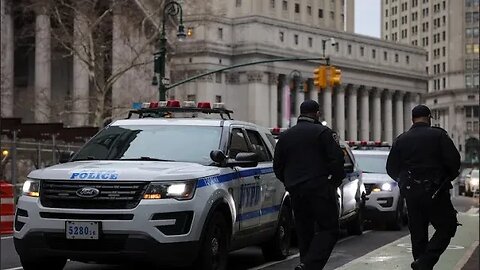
point(395, 222)
point(355, 226)
point(34, 263)
point(214, 248)
point(278, 247)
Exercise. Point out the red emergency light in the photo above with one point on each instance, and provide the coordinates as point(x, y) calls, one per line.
point(204, 105)
point(173, 104)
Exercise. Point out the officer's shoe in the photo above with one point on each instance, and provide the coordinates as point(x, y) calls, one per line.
point(417, 265)
point(301, 266)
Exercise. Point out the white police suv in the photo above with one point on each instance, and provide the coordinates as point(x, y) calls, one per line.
point(158, 189)
point(384, 203)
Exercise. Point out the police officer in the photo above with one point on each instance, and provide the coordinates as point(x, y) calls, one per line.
point(424, 160)
point(309, 162)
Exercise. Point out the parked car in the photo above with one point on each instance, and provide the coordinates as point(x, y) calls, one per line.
point(461, 180)
point(471, 183)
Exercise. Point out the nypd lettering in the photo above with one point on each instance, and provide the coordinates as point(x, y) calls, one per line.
point(88, 175)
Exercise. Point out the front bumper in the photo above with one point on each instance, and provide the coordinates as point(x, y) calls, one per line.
point(381, 205)
point(110, 248)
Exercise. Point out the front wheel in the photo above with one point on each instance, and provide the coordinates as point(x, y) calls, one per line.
point(214, 248)
point(34, 263)
point(278, 247)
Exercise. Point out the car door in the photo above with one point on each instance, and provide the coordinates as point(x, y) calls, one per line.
point(266, 179)
point(349, 186)
point(246, 189)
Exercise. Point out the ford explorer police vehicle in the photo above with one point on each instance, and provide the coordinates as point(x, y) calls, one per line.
point(384, 204)
point(160, 189)
point(351, 193)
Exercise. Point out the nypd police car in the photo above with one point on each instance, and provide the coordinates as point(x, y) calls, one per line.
point(384, 203)
point(158, 189)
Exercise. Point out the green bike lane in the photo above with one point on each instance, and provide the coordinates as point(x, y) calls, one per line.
point(397, 255)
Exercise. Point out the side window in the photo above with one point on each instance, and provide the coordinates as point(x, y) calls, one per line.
point(238, 143)
point(271, 139)
point(258, 146)
point(348, 160)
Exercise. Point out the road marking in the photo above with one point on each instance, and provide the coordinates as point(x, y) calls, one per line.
point(472, 211)
point(15, 268)
point(7, 237)
point(298, 254)
point(466, 256)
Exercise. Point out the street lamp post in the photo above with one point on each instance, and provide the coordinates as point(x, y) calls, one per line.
point(324, 44)
point(173, 9)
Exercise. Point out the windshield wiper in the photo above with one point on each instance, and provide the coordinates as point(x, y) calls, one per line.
point(85, 158)
point(147, 159)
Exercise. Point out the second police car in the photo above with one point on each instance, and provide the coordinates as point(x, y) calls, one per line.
point(158, 189)
point(384, 204)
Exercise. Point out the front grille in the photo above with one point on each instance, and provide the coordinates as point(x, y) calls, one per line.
point(113, 195)
point(369, 188)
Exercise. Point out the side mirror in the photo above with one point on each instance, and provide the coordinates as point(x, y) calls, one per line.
point(65, 156)
point(244, 160)
point(348, 167)
point(218, 156)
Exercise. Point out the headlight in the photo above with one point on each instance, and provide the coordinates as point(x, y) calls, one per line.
point(474, 181)
point(180, 190)
point(386, 187)
point(31, 188)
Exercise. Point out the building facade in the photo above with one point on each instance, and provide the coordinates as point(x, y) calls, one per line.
point(381, 81)
point(449, 31)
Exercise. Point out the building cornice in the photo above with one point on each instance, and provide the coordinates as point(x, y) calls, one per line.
point(452, 92)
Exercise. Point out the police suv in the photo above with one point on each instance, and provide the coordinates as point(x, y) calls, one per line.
point(161, 189)
point(384, 203)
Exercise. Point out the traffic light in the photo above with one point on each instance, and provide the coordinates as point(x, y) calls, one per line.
point(335, 77)
point(320, 77)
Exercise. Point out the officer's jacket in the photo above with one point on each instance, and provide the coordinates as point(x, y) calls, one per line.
point(308, 152)
point(426, 151)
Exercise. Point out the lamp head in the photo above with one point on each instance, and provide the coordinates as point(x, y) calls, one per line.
point(181, 35)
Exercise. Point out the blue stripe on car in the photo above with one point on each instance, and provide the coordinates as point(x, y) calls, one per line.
point(217, 179)
point(258, 213)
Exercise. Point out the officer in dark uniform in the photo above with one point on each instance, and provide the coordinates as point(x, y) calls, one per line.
point(424, 161)
point(309, 162)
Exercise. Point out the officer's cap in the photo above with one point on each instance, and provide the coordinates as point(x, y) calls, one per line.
point(309, 106)
point(421, 111)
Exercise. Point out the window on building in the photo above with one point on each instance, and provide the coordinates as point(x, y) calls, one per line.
point(407, 59)
point(332, 15)
point(468, 64)
point(476, 63)
point(337, 47)
point(475, 80)
point(310, 42)
point(385, 56)
point(281, 36)
point(444, 83)
point(272, 3)
point(218, 77)
point(295, 39)
point(444, 51)
point(444, 35)
point(349, 49)
point(374, 53)
point(218, 99)
point(297, 8)
point(284, 5)
point(469, 48)
point(238, 3)
point(362, 51)
point(386, 25)
point(444, 5)
point(320, 13)
point(468, 81)
point(220, 33)
point(444, 67)
point(396, 58)
point(309, 10)
point(386, 12)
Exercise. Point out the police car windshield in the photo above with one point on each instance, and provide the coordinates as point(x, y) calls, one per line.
point(372, 163)
point(153, 143)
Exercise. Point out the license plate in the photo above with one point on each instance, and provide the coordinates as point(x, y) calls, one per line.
point(82, 229)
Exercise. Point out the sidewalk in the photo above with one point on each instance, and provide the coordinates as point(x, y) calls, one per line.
point(397, 255)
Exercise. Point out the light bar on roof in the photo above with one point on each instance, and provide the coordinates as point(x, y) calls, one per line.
point(219, 105)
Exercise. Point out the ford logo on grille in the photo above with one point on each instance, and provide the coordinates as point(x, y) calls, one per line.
point(87, 192)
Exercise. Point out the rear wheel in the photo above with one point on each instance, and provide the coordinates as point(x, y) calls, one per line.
point(214, 249)
point(278, 247)
point(34, 263)
point(355, 226)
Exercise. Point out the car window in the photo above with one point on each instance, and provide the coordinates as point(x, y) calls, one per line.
point(271, 138)
point(372, 163)
point(346, 156)
point(258, 146)
point(238, 143)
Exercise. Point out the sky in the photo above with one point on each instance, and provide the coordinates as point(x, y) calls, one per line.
point(367, 17)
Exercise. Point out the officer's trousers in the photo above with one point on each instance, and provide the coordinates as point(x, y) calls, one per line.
point(316, 223)
point(422, 211)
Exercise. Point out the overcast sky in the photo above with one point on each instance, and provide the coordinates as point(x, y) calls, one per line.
point(367, 17)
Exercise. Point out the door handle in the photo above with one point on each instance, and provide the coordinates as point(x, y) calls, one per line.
point(257, 177)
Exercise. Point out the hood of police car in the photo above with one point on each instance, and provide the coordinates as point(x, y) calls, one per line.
point(375, 178)
point(109, 170)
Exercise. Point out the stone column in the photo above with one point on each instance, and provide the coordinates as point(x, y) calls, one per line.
point(399, 113)
point(327, 106)
point(388, 116)
point(407, 109)
point(352, 114)
point(272, 82)
point(313, 91)
point(43, 76)
point(364, 114)
point(340, 111)
point(377, 115)
point(81, 86)
point(285, 105)
point(7, 53)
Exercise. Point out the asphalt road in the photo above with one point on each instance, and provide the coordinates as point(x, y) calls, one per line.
point(347, 249)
